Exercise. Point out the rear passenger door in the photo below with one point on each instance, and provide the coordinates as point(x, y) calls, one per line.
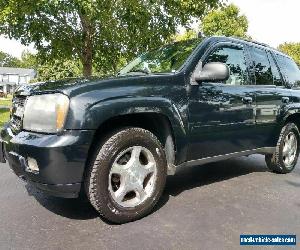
point(272, 96)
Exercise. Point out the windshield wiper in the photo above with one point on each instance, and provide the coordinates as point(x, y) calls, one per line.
point(146, 72)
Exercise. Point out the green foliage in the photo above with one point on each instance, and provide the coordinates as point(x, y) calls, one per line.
point(225, 21)
point(28, 60)
point(7, 60)
point(56, 69)
point(188, 35)
point(98, 33)
point(292, 49)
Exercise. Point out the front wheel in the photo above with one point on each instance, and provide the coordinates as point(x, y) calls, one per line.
point(128, 176)
point(286, 155)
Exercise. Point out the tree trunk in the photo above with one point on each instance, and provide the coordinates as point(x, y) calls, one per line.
point(87, 62)
point(87, 50)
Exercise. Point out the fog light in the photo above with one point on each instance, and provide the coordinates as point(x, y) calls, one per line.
point(32, 166)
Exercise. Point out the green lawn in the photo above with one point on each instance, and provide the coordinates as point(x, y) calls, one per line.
point(5, 101)
point(4, 116)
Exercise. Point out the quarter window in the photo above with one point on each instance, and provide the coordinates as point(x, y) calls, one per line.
point(262, 67)
point(289, 69)
point(235, 59)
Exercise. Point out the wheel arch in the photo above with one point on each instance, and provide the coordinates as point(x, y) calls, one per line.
point(157, 123)
point(292, 117)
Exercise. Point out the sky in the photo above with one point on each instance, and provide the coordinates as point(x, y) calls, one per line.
point(270, 21)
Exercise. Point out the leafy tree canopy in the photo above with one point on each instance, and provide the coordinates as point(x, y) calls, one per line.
point(57, 69)
point(7, 60)
point(189, 34)
point(225, 21)
point(292, 49)
point(96, 32)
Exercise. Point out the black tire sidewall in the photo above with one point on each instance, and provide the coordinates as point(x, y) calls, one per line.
point(111, 149)
point(289, 128)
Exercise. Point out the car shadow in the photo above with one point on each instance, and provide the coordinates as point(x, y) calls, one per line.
point(77, 209)
point(188, 178)
point(185, 179)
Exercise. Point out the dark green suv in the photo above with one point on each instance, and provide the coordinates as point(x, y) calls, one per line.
point(185, 104)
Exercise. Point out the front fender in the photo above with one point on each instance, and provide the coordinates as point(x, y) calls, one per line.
point(102, 111)
point(96, 114)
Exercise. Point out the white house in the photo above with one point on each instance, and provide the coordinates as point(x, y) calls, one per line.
point(10, 78)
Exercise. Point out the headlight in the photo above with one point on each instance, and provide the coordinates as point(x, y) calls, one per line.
point(46, 113)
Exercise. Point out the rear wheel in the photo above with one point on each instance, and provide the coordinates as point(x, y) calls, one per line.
point(128, 176)
point(286, 154)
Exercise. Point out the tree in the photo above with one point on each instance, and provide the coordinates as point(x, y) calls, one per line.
point(95, 31)
point(28, 60)
point(225, 21)
point(50, 69)
point(7, 60)
point(55, 70)
point(292, 49)
point(189, 34)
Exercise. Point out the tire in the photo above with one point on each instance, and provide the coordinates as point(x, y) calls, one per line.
point(279, 162)
point(119, 154)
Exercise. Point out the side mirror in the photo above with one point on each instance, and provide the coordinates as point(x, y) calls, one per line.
point(214, 71)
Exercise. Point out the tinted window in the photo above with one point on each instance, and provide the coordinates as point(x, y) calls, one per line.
point(277, 80)
point(235, 59)
point(262, 67)
point(289, 69)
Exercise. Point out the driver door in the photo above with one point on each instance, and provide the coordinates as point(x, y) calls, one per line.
point(222, 114)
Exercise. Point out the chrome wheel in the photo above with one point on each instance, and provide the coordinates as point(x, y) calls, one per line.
point(290, 148)
point(132, 177)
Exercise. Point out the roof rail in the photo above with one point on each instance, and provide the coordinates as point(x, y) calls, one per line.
point(252, 41)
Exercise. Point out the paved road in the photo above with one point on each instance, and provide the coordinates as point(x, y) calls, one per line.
point(204, 207)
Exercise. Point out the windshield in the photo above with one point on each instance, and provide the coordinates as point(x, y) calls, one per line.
point(167, 59)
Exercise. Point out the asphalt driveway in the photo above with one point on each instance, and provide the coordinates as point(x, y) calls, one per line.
point(205, 207)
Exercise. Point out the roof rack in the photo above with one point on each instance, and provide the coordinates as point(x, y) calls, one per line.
point(252, 41)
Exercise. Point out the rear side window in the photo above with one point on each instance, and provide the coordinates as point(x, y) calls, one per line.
point(289, 69)
point(277, 79)
point(261, 66)
point(234, 57)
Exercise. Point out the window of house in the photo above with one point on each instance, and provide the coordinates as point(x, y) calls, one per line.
point(235, 59)
point(5, 78)
point(262, 67)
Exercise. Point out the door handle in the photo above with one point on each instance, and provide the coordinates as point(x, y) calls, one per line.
point(285, 100)
point(247, 100)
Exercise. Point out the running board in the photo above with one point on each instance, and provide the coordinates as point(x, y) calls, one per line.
point(263, 151)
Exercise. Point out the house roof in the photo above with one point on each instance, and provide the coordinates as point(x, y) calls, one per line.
point(17, 71)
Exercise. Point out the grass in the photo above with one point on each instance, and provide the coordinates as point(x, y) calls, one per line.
point(4, 113)
point(6, 101)
point(4, 116)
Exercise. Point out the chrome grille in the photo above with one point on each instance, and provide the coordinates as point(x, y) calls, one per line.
point(19, 100)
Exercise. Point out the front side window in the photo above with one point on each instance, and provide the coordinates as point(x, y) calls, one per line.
point(234, 58)
point(290, 70)
point(262, 67)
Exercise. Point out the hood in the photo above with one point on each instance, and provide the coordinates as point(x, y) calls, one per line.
point(74, 87)
point(63, 85)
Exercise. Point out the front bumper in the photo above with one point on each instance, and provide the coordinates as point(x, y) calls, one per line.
point(61, 159)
